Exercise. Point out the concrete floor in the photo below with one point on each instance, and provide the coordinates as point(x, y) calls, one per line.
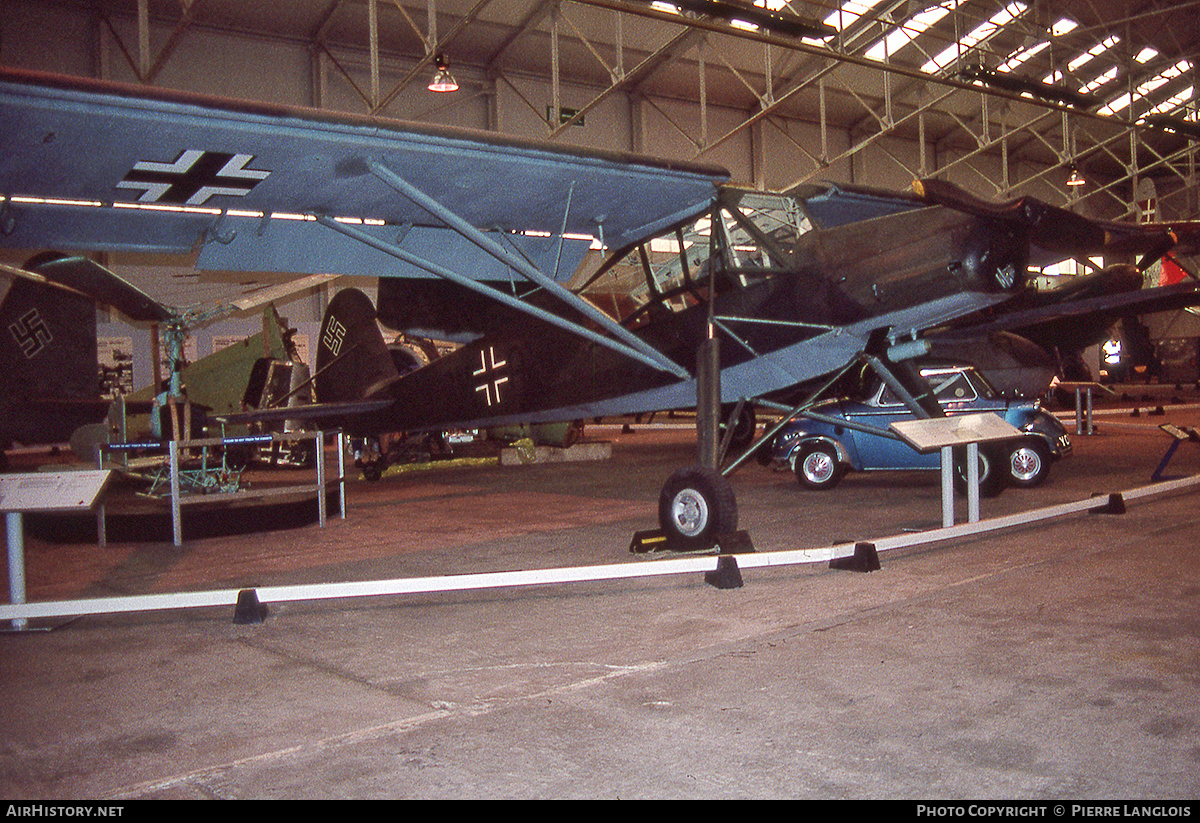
point(1054, 661)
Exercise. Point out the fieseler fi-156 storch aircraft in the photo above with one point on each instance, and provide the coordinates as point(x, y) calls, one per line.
point(726, 296)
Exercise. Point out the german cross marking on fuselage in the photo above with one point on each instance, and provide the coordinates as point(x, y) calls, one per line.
point(335, 333)
point(193, 177)
point(31, 333)
point(489, 365)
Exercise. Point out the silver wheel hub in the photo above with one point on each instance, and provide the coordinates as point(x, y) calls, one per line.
point(1025, 463)
point(818, 467)
point(689, 512)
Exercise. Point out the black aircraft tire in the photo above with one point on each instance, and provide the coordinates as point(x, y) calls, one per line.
point(371, 471)
point(695, 505)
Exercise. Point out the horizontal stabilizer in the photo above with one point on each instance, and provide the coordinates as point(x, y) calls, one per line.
point(1114, 306)
point(105, 287)
point(315, 412)
point(1057, 230)
point(89, 279)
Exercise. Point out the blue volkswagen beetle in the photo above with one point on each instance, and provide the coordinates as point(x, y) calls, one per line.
point(820, 452)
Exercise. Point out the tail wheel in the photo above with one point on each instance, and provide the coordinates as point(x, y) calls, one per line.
point(696, 505)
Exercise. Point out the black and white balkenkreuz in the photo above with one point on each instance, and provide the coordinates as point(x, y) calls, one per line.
point(193, 177)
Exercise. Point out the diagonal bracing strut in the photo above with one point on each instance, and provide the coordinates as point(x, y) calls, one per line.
point(489, 292)
point(629, 344)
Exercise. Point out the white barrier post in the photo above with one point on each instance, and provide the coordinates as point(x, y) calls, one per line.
point(16, 565)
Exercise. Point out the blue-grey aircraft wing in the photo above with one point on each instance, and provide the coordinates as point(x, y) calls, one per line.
point(91, 165)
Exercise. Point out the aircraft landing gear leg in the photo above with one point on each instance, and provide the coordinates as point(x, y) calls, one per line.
point(697, 504)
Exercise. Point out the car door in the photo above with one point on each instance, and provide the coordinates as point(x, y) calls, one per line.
point(877, 452)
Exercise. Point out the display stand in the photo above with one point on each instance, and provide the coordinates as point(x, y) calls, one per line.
point(1083, 404)
point(1179, 434)
point(178, 499)
point(41, 492)
point(945, 433)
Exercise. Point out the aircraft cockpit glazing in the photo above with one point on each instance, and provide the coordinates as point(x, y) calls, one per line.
point(757, 233)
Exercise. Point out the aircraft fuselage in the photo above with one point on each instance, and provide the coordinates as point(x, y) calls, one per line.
point(792, 302)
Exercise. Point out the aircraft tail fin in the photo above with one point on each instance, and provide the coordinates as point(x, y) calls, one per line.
point(49, 381)
point(353, 362)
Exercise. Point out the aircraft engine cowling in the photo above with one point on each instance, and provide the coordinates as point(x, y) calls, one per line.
point(997, 255)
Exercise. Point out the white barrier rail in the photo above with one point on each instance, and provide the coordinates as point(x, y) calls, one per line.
point(577, 574)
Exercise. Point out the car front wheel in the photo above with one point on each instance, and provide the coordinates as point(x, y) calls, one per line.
point(818, 467)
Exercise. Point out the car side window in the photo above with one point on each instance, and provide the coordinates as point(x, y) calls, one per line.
point(952, 388)
point(948, 387)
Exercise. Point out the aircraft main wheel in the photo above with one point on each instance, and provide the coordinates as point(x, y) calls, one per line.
point(818, 467)
point(992, 478)
point(696, 505)
point(371, 471)
point(1029, 463)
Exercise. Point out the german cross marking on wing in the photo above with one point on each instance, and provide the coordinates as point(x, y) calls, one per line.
point(193, 177)
point(489, 365)
point(31, 333)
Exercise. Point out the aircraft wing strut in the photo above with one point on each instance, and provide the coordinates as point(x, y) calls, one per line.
point(654, 359)
point(632, 346)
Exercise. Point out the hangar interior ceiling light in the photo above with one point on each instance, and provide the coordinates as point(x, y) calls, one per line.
point(443, 81)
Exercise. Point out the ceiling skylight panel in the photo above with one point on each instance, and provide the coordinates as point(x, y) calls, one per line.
point(1174, 102)
point(1103, 79)
point(1024, 54)
point(1055, 77)
point(1114, 106)
point(1019, 58)
point(976, 36)
point(912, 28)
point(1092, 53)
point(1063, 26)
point(849, 13)
point(1167, 75)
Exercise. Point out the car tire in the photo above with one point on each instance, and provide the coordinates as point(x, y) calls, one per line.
point(818, 467)
point(694, 506)
point(1029, 463)
point(991, 481)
